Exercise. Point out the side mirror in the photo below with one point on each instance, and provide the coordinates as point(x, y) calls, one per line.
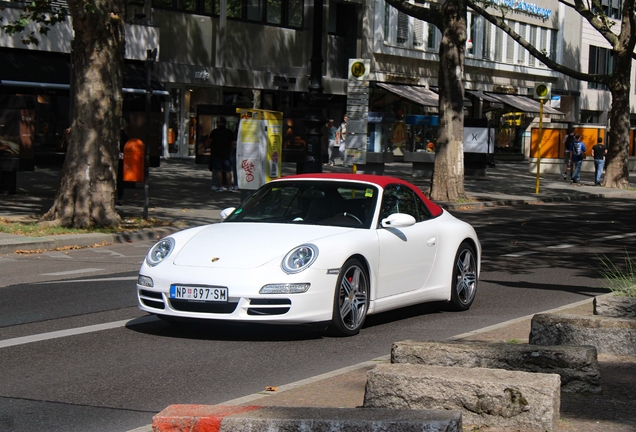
point(226, 212)
point(398, 220)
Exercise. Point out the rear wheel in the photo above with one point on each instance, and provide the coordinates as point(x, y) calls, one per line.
point(351, 300)
point(464, 285)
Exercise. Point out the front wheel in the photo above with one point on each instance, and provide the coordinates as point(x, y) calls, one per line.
point(351, 300)
point(464, 284)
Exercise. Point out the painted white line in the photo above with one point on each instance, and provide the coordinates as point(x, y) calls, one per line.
point(57, 255)
point(73, 332)
point(614, 237)
point(561, 246)
point(520, 254)
point(122, 278)
point(112, 253)
point(70, 272)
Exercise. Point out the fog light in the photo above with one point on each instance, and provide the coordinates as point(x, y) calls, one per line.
point(145, 281)
point(294, 288)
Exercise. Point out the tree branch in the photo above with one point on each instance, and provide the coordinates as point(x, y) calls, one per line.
point(429, 14)
point(499, 22)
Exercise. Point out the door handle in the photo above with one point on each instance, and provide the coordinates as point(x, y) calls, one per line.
point(431, 241)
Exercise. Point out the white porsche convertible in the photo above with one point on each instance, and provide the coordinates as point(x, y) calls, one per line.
point(327, 249)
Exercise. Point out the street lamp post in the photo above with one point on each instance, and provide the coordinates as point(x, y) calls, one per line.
point(315, 99)
point(151, 56)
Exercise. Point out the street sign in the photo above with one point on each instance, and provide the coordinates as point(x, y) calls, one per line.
point(542, 91)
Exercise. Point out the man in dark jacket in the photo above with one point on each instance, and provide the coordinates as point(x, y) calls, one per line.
point(599, 151)
point(222, 143)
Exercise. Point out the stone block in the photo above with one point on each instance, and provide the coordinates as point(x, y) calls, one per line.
point(494, 397)
point(577, 365)
point(615, 336)
point(611, 305)
point(284, 419)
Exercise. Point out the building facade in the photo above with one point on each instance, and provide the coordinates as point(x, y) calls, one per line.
point(215, 56)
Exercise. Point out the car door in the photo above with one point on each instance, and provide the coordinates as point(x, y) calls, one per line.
point(406, 254)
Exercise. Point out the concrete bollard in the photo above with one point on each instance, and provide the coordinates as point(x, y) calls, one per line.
point(493, 397)
point(215, 418)
point(615, 336)
point(577, 365)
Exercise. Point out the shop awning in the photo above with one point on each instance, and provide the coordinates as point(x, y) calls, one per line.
point(482, 95)
point(419, 95)
point(50, 70)
point(524, 103)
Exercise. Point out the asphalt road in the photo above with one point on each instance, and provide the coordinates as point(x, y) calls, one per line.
point(77, 355)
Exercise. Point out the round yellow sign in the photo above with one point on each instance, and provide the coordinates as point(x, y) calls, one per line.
point(542, 90)
point(358, 69)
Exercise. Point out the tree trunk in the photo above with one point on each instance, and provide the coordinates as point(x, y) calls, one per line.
point(617, 164)
point(447, 183)
point(86, 194)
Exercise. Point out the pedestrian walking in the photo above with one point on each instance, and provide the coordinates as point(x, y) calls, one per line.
point(578, 154)
point(599, 151)
point(341, 140)
point(331, 141)
point(567, 153)
point(222, 144)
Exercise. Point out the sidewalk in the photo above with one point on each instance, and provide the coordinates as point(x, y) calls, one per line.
point(179, 192)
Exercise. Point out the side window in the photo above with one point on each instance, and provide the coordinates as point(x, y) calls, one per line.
point(401, 199)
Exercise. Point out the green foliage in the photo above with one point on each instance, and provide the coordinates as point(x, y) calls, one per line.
point(513, 341)
point(42, 13)
point(622, 282)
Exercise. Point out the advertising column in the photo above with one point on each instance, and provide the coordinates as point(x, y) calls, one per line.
point(259, 147)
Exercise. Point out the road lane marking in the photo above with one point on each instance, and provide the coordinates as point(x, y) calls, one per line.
point(520, 254)
point(121, 278)
point(561, 246)
point(73, 332)
point(70, 272)
point(108, 251)
point(57, 255)
point(615, 237)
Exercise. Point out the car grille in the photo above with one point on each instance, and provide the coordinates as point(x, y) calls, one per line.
point(269, 306)
point(152, 299)
point(203, 307)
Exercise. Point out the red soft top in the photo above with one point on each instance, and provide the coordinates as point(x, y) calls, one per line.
point(382, 181)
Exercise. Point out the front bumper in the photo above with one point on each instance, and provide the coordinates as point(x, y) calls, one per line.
point(245, 303)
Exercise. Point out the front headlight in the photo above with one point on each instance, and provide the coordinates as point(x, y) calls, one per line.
point(160, 251)
point(299, 258)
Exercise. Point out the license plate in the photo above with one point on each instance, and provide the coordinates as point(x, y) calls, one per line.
point(212, 294)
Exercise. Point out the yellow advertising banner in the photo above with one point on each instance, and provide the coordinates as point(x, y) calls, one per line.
point(259, 147)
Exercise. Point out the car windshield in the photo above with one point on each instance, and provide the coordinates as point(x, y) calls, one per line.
point(313, 202)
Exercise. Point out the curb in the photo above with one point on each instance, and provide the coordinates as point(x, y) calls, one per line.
point(15, 244)
point(219, 418)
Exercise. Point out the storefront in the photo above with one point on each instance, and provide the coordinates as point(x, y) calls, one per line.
point(36, 84)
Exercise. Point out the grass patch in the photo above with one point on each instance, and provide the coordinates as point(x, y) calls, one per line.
point(621, 281)
point(513, 341)
point(33, 229)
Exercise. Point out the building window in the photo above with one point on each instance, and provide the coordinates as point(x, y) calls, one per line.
point(285, 13)
point(432, 38)
point(486, 40)
point(471, 34)
point(601, 61)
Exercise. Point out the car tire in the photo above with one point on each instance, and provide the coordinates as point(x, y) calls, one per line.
point(351, 299)
point(464, 283)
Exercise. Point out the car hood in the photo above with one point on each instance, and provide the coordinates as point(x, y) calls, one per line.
point(231, 245)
